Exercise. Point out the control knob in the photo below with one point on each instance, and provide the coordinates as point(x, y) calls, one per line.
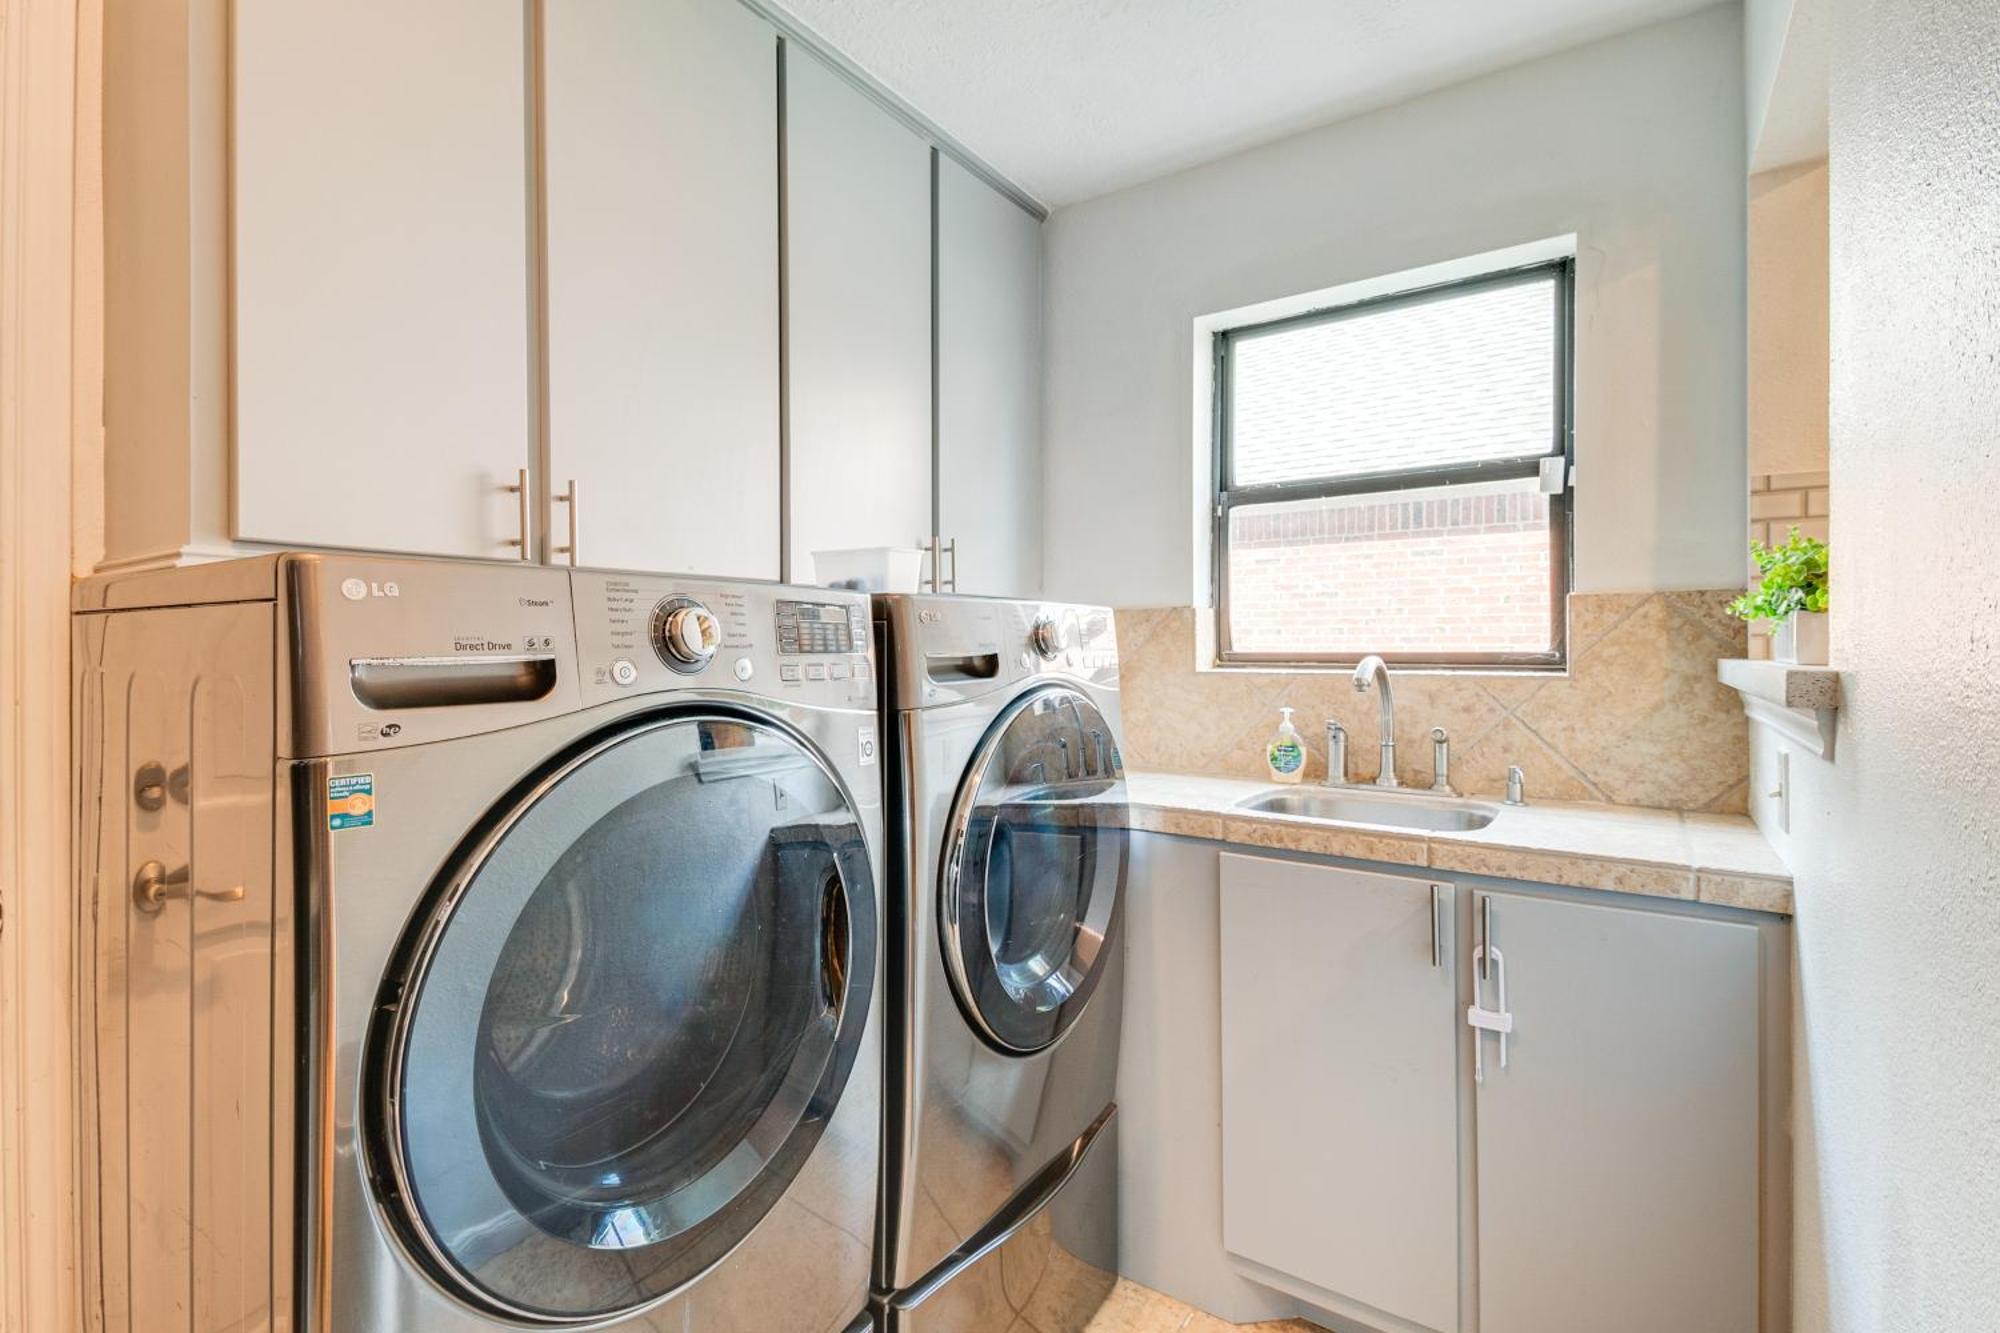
point(687, 635)
point(1047, 638)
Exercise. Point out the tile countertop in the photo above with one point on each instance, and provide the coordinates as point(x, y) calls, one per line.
point(1720, 859)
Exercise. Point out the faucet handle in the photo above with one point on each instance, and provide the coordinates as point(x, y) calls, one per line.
point(1336, 753)
point(1517, 783)
point(1440, 761)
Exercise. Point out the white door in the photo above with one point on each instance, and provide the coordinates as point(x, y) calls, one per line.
point(858, 232)
point(383, 357)
point(661, 179)
point(1339, 1083)
point(1618, 1167)
point(989, 452)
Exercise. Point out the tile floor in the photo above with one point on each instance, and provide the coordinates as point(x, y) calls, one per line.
point(1136, 1309)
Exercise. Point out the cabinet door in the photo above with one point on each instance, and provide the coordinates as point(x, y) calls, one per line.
point(989, 453)
point(383, 356)
point(858, 233)
point(1618, 1171)
point(661, 179)
point(1339, 1083)
point(179, 996)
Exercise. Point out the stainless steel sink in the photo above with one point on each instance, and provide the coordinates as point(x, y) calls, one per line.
point(1347, 805)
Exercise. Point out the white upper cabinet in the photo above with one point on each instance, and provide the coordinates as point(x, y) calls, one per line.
point(989, 450)
point(1618, 1157)
point(383, 357)
point(661, 189)
point(859, 317)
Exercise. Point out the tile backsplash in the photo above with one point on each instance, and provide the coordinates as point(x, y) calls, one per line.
point(1639, 718)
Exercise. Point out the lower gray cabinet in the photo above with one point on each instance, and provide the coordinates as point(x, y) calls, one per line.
point(1618, 1145)
point(1580, 1084)
point(1339, 1084)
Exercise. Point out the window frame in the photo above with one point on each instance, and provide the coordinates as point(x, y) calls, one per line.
point(1225, 497)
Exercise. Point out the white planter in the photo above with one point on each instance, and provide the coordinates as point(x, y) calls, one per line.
point(1800, 639)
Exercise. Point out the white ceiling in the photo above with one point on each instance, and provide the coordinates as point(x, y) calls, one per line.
point(1073, 98)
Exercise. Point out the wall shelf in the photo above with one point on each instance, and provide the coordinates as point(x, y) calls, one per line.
point(1800, 702)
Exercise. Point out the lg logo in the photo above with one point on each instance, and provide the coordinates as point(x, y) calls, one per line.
point(356, 589)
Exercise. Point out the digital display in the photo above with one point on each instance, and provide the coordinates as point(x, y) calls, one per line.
point(813, 627)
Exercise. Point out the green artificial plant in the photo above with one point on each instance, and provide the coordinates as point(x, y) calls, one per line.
point(1792, 578)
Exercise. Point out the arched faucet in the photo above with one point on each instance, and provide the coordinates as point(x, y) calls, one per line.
point(1373, 670)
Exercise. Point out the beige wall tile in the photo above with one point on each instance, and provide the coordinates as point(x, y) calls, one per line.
point(1593, 615)
point(1481, 768)
point(1638, 719)
point(1709, 609)
point(1642, 716)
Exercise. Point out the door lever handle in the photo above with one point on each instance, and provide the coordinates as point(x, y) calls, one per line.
point(154, 886)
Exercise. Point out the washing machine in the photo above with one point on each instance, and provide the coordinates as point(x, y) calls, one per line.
point(1008, 837)
point(478, 946)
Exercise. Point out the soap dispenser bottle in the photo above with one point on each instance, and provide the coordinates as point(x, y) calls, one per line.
point(1285, 756)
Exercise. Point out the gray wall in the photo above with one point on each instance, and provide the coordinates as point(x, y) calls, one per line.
point(1635, 144)
point(1895, 842)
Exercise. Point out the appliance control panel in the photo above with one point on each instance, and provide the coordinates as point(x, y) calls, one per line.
point(643, 632)
point(388, 652)
point(955, 648)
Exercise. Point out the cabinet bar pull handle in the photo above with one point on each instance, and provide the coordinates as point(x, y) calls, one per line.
point(1486, 933)
point(568, 497)
point(930, 583)
point(951, 549)
point(519, 490)
point(1437, 926)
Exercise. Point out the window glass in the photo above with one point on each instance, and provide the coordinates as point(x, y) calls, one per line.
point(1452, 379)
point(1443, 570)
point(1393, 478)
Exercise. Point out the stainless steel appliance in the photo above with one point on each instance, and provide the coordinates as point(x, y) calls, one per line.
point(1008, 835)
point(479, 946)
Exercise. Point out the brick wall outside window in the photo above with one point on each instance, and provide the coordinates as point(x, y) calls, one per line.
point(1432, 573)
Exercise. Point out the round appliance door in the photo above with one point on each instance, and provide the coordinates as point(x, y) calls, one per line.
point(1034, 867)
point(625, 1022)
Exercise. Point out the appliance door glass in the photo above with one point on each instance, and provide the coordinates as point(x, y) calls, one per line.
point(627, 1017)
point(1034, 869)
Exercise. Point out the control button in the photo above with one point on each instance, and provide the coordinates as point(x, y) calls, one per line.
point(837, 671)
point(624, 672)
point(861, 671)
point(686, 634)
point(1047, 638)
point(789, 671)
point(745, 668)
point(815, 671)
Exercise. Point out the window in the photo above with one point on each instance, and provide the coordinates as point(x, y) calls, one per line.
point(1392, 477)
